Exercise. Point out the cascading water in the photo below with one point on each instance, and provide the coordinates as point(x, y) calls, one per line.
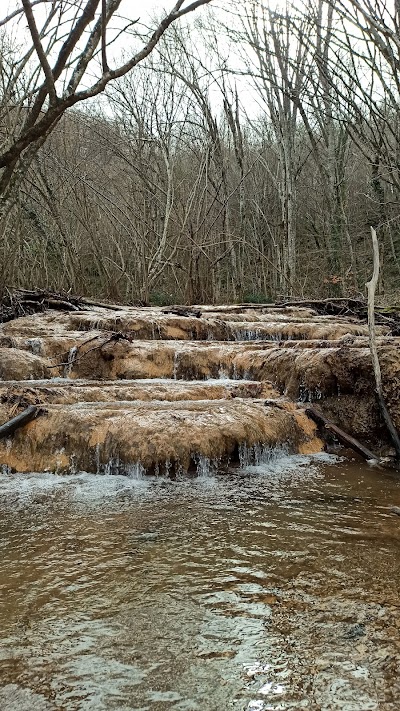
point(206, 467)
point(175, 365)
point(249, 335)
point(259, 454)
point(130, 422)
point(206, 567)
point(71, 358)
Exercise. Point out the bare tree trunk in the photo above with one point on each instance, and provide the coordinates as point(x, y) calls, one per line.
point(371, 287)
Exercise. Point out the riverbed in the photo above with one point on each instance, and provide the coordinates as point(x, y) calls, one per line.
point(266, 587)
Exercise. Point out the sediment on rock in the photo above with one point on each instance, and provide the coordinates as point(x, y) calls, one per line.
point(98, 437)
point(69, 391)
point(152, 374)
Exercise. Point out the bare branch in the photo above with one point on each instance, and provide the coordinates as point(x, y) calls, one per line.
point(40, 51)
point(35, 128)
point(20, 10)
point(103, 36)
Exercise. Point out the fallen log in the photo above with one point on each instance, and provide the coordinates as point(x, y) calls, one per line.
point(101, 305)
point(41, 296)
point(36, 305)
point(334, 306)
point(20, 420)
point(342, 436)
point(187, 311)
point(21, 302)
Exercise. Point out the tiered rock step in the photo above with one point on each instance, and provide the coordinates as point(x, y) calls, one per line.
point(153, 425)
point(153, 324)
point(166, 437)
point(303, 370)
point(139, 388)
point(66, 391)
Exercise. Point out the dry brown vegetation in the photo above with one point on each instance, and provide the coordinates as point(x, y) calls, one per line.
point(242, 160)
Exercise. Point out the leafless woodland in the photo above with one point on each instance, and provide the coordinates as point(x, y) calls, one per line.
point(211, 154)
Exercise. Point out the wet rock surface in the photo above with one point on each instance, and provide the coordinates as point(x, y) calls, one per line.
point(14, 697)
point(117, 437)
point(275, 588)
point(147, 387)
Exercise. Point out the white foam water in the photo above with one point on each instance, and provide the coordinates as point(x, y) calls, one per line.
point(259, 454)
point(83, 488)
point(70, 361)
point(277, 464)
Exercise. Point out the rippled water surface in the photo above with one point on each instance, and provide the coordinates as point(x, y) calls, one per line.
point(276, 587)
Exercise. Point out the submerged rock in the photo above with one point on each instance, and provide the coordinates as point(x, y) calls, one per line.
point(13, 696)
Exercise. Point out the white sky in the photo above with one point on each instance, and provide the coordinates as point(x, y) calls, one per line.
point(129, 8)
point(142, 10)
point(132, 10)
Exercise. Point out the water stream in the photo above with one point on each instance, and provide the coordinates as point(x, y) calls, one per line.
point(275, 587)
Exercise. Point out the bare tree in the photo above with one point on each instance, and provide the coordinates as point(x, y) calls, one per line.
point(279, 73)
point(174, 186)
point(62, 57)
point(362, 72)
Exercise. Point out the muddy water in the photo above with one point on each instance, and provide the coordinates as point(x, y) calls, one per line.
point(276, 587)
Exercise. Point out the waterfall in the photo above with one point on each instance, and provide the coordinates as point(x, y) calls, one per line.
point(70, 361)
point(259, 454)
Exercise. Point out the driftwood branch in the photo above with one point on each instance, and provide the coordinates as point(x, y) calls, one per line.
point(371, 287)
point(187, 311)
point(342, 436)
point(20, 302)
point(101, 305)
point(20, 420)
point(114, 337)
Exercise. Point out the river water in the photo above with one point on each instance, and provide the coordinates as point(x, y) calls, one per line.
point(273, 587)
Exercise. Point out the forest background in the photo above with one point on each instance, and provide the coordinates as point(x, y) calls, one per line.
point(244, 158)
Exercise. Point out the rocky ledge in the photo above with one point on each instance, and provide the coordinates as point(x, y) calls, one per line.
point(147, 389)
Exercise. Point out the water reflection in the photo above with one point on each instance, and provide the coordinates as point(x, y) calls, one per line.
point(273, 588)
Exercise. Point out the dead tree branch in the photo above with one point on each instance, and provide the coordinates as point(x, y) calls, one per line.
point(371, 287)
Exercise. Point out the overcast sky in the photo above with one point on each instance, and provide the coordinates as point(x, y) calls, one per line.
point(141, 10)
point(131, 8)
